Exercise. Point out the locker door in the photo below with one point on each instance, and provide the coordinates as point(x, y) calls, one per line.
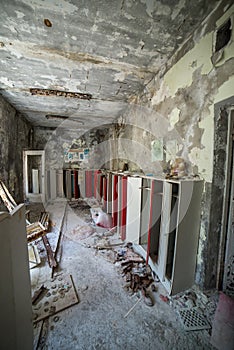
point(134, 209)
point(165, 229)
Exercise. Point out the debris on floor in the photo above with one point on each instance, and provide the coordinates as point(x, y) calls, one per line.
point(137, 275)
point(82, 207)
point(53, 296)
point(195, 309)
point(100, 290)
point(82, 232)
point(222, 336)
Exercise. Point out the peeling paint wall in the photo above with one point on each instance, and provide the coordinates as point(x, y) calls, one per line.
point(178, 108)
point(57, 142)
point(15, 136)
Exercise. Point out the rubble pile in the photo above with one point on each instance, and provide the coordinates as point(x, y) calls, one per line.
point(136, 274)
point(205, 302)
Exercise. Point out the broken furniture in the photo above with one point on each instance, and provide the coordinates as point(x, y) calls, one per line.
point(15, 292)
point(34, 230)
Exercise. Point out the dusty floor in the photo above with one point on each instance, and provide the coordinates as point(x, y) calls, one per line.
point(99, 320)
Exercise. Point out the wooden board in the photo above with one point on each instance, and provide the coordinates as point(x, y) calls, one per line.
point(6, 197)
point(61, 294)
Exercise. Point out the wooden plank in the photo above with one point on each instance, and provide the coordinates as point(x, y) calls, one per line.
point(36, 334)
point(6, 197)
point(50, 255)
point(44, 219)
point(61, 295)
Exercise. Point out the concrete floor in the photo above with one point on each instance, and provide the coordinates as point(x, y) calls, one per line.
point(98, 321)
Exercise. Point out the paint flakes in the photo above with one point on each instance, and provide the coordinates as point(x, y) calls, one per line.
point(149, 7)
point(19, 14)
point(173, 118)
point(177, 9)
point(54, 5)
point(120, 76)
point(6, 82)
point(128, 16)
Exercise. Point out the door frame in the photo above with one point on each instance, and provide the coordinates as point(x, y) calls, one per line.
point(32, 196)
point(229, 173)
point(213, 215)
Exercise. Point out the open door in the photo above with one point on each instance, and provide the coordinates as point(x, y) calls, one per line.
point(34, 175)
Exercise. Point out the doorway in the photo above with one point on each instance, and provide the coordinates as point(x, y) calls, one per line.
point(34, 175)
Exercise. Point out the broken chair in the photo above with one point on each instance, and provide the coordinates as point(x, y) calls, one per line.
point(34, 230)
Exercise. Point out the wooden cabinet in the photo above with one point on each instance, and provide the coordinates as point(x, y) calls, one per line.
point(163, 220)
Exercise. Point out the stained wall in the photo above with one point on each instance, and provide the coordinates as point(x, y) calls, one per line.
point(15, 136)
point(177, 110)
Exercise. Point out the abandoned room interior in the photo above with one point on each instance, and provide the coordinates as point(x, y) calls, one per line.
point(117, 174)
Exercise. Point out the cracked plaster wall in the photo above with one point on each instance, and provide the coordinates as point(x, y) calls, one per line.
point(178, 108)
point(56, 142)
point(15, 136)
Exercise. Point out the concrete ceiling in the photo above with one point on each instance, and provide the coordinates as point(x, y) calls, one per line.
point(106, 48)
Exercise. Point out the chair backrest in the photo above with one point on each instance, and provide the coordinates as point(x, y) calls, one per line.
point(6, 197)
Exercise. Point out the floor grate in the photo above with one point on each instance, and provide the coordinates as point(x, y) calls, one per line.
point(192, 319)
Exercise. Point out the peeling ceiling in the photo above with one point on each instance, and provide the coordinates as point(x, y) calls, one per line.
point(106, 48)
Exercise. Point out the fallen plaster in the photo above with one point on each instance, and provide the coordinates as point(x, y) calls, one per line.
point(107, 317)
